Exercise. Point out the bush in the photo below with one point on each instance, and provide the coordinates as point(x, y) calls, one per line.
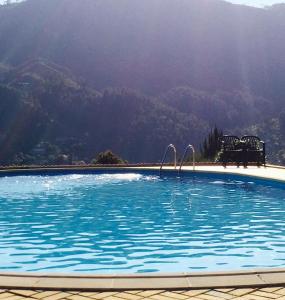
point(107, 158)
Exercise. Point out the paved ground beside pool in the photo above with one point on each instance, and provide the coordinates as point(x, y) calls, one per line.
point(268, 172)
point(202, 294)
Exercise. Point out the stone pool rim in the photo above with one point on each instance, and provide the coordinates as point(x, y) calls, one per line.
point(165, 281)
point(159, 281)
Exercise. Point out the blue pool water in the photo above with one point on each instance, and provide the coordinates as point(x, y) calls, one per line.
point(140, 222)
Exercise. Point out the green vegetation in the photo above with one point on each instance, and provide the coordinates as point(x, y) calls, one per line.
point(211, 145)
point(61, 79)
point(54, 114)
point(108, 158)
point(51, 117)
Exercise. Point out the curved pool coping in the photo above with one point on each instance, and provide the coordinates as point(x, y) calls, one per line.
point(172, 281)
point(165, 281)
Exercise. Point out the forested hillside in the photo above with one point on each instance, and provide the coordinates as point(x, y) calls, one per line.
point(40, 102)
point(80, 77)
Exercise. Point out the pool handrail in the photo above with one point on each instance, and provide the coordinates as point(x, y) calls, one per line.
point(170, 146)
point(183, 157)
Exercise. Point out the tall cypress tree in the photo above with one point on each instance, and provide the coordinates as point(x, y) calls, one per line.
point(211, 145)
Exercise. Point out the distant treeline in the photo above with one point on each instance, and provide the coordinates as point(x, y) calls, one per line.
point(46, 113)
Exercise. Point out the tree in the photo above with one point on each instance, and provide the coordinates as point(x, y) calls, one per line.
point(211, 144)
point(107, 158)
point(282, 122)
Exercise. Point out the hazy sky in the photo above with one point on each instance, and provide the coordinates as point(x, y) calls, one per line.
point(259, 3)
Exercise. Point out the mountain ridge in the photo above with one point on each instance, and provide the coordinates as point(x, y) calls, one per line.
point(129, 74)
point(150, 45)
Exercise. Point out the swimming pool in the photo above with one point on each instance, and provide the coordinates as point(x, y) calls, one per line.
point(137, 222)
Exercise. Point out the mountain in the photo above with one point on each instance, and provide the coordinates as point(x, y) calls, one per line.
point(135, 75)
point(41, 102)
point(152, 45)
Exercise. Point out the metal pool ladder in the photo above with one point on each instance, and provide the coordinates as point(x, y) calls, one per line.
point(171, 146)
point(185, 152)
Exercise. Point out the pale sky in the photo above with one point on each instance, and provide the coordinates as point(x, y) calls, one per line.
point(259, 3)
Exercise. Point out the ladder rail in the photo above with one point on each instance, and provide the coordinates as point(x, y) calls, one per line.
point(184, 155)
point(170, 146)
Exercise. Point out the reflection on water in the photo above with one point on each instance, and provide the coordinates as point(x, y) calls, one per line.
point(130, 222)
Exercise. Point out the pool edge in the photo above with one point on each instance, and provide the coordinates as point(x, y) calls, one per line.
point(253, 172)
point(209, 280)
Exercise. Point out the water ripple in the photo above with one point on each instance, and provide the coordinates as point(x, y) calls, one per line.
point(131, 222)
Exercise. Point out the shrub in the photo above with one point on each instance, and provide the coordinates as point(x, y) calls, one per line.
point(107, 158)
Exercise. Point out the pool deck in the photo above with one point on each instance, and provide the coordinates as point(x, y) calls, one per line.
point(252, 284)
point(268, 172)
point(199, 294)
